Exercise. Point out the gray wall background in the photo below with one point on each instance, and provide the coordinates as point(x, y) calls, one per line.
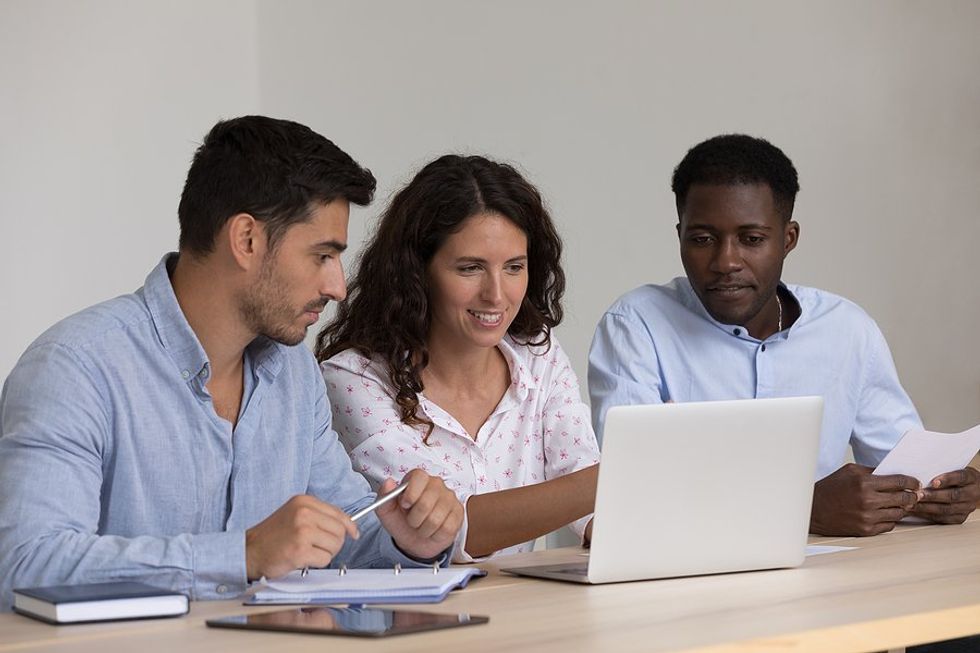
point(878, 103)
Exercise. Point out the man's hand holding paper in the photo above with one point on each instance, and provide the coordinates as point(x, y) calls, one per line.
point(853, 501)
point(950, 489)
point(951, 497)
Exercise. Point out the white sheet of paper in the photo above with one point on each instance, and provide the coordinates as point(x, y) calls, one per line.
point(820, 549)
point(926, 454)
point(320, 580)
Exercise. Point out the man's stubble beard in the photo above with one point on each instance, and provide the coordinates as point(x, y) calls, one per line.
point(265, 310)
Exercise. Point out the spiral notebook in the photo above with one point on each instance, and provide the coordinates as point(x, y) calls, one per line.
point(360, 586)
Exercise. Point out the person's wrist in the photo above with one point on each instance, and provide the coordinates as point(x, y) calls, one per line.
point(422, 560)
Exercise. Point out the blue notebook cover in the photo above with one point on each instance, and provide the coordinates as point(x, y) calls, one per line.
point(98, 602)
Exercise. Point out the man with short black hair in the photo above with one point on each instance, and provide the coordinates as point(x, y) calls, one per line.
point(732, 330)
point(177, 435)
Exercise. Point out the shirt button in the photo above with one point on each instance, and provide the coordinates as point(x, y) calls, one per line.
point(737, 332)
point(763, 347)
point(221, 589)
point(185, 374)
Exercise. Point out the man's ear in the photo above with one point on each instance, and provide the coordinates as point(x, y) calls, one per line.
point(246, 240)
point(791, 236)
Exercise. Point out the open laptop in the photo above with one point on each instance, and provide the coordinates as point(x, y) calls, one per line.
point(700, 488)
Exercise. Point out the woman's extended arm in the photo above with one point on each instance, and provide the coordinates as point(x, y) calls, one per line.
point(501, 519)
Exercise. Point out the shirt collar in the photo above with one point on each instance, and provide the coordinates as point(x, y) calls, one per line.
point(266, 355)
point(521, 384)
point(521, 379)
point(179, 339)
point(691, 300)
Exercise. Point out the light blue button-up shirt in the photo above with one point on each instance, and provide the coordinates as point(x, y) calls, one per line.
point(114, 464)
point(658, 343)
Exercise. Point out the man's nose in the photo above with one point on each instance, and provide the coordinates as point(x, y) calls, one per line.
point(333, 285)
point(727, 258)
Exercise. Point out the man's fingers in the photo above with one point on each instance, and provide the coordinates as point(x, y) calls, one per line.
point(326, 517)
point(901, 499)
point(890, 515)
point(883, 527)
point(386, 488)
point(323, 538)
point(310, 509)
point(307, 503)
point(338, 527)
point(945, 513)
point(349, 527)
point(893, 482)
point(951, 495)
point(433, 521)
point(958, 478)
point(422, 507)
point(417, 481)
point(316, 558)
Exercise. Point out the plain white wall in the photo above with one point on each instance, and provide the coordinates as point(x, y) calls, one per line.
point(102, 104)
point(878, 104)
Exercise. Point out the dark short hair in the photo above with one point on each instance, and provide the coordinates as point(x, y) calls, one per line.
point(274, 170)
point(387, 313)
point(733, 159)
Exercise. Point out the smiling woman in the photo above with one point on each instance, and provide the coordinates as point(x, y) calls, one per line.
point(443, 357)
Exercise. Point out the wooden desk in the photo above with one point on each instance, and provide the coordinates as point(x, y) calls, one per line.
point(917, 584)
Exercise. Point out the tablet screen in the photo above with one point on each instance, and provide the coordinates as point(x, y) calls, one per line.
point(357, 621)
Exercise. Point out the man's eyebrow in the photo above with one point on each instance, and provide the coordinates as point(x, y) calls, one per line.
point(755, 226)
point(702, 227)
point(334, 245)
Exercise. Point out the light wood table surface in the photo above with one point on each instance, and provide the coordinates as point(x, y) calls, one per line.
point(913, 585)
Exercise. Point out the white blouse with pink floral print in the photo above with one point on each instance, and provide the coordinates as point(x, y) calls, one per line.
point(539, 430)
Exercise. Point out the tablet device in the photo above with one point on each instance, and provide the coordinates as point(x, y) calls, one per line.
point(354, 621)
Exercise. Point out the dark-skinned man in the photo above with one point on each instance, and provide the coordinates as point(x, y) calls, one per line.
point(732, 330)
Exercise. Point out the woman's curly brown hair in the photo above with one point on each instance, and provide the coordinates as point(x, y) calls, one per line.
point(386, 314)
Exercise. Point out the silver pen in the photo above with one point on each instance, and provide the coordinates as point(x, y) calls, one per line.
point(379, 502)
point(363, 511)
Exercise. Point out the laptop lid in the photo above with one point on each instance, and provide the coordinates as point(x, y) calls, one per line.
point(704, 487)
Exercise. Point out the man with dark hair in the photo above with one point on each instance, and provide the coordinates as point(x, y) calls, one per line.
point(732, 330)
point(176, 435)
